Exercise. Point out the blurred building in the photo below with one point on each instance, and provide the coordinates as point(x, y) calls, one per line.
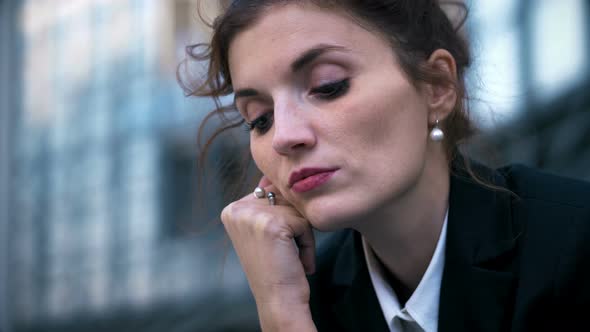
point(10, 105)
point(104, 158)
point(530, 82)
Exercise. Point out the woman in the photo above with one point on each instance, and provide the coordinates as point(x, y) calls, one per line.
point(356, 110)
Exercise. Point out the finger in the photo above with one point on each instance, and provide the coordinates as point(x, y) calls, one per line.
point(279, 198)
point(305, 240)
point(306, 245)
point(264, 182)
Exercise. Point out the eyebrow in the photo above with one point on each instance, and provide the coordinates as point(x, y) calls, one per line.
point(301, 62)
point(307, 57)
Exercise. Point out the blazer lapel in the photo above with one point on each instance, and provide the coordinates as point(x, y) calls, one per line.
point(357, 309)
point(479, 279)
point(478, 283)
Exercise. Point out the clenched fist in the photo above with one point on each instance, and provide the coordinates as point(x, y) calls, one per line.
point(276, 247)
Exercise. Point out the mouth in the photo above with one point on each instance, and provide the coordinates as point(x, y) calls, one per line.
point(309, 178)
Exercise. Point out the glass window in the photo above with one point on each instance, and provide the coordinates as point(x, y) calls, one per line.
point(558, 46)
point(494, 79)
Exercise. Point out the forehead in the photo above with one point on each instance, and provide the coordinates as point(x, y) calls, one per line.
point(286, 31)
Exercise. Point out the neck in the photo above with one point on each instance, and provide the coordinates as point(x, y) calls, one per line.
point(405, 233)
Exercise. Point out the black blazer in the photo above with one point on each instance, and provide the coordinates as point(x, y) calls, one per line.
point(511, 263)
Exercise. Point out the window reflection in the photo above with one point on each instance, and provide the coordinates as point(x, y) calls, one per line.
point(559, 48)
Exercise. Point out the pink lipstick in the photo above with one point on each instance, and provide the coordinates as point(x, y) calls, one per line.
point(309, 178)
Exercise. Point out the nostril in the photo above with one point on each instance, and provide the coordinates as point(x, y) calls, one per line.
point(298, 145)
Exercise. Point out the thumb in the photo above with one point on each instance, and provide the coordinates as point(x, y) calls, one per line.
point(305, 241)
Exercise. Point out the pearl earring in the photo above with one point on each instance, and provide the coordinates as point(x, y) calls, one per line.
point(436, 134)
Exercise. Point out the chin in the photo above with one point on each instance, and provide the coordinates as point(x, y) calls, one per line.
point(333, 217)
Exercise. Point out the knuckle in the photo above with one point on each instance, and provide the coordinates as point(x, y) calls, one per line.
point(226, 214)
point(238, 213)
point(231, 213)
point(252, 220)
point(261, 224)
point(270, 226)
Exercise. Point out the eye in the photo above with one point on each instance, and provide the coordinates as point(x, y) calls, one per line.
point(332, 90)
point(261, 124)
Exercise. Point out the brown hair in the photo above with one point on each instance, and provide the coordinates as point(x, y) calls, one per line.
point(415, 29)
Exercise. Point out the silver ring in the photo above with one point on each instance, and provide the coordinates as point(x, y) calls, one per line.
point(259, 192)
point(271, 198)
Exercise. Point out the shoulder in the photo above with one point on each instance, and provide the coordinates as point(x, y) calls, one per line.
point(553, 207)
point(555, 214)
point(548, 203)
point(533, 184)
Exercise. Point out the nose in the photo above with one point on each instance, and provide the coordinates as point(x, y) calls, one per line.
point(293, 129)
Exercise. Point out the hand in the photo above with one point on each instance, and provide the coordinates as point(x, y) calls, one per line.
point(275, 245)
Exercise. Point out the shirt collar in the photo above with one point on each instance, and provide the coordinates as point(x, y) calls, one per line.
point(422, 306)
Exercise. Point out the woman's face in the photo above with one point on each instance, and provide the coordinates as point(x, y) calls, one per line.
point(326, 97)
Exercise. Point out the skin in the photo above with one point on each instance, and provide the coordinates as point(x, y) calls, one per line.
point(391, 182)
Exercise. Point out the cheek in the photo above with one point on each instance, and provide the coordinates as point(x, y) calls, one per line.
point(260, 156)
point(263, 156)
point(385, 117)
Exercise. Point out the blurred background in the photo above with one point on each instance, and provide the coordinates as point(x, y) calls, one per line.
point(99, 225)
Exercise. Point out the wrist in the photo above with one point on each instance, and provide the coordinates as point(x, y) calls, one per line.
point(281, 317)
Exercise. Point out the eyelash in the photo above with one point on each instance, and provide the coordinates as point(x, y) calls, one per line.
point(329, 91)
point(261, 124)
point(332, 90)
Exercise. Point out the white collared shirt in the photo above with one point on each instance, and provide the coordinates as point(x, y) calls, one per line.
point(421, 311)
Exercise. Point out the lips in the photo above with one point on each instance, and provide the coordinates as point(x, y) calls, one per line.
point(309, 178)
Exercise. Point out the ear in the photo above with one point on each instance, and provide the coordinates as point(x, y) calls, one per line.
point(441, 98)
